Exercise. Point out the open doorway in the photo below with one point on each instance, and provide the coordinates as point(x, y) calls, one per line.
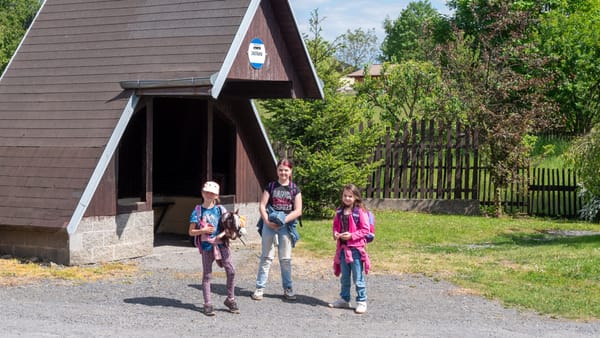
point(169, 148)
point(184, 141)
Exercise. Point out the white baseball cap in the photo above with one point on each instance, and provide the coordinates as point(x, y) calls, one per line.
point(211, 186)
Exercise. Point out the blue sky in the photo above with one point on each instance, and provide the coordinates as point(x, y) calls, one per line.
point(341, 15)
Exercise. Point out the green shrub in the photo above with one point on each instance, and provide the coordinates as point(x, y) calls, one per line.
point(322, 175)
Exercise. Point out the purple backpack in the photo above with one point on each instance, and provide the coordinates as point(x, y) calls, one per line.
point(356, 216)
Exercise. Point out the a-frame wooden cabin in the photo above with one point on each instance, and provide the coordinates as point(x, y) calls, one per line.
point(111, 110)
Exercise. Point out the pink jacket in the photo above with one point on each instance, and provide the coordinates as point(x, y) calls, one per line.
point(357, 241)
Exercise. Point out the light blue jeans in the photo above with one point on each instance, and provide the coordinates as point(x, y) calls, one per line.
point(282, 239)
point(356, 269)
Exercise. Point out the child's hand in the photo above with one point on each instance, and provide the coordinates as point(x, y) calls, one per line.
point(345, 236)
point(205, 227)
point(273, 225)
point(203, 223)
point(208, 229)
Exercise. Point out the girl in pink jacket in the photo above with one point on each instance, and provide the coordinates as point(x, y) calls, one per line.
point(350, 228)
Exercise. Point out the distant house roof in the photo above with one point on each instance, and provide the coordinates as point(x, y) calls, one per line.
point(65, 90)
point(374, 70)
point(347, 82)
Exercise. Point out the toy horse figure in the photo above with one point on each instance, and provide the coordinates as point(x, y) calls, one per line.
point(233, 227)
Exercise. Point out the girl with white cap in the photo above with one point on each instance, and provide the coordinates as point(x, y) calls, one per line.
point(204, 226)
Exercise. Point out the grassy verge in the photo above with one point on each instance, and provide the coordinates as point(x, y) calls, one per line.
point(16, 272)
point(549, 266)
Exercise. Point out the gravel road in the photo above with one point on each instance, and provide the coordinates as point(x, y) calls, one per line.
point(165, 300)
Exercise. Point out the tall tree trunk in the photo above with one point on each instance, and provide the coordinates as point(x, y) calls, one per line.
point(498, 202)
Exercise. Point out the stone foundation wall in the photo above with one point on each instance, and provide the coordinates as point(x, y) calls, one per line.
point(101, 238)
point(452, 207)
point(105, 238)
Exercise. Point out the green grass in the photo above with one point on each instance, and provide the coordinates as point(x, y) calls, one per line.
point(549, 150)
point(523, 262)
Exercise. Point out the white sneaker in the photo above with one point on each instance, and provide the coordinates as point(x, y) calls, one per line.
point(361, 307)
point(257, 295)
point(340, 304)
point(289, 294)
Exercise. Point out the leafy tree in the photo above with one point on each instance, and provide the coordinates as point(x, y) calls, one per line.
point(357, 48)
point(15, 18)
point(403, 91)
point(500, 81)
point(479, 18)
point(569, 33)
point(472, 17)
point(326, 153)
point(414, 34)
point(584, 156)
point(319, 49)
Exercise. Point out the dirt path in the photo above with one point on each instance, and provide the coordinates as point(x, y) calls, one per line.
point(165, 301)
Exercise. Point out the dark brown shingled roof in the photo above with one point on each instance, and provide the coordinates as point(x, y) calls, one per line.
point(60, 97)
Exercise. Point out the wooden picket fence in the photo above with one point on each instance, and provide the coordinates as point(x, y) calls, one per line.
point(425, 161)
point(428, 160)
point(549, 192)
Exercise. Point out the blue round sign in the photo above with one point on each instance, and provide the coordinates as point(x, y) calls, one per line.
point(256, 53)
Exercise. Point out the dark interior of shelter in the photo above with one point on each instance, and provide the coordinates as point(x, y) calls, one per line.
point(177, 153)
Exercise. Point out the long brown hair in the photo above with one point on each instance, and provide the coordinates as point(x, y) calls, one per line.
point(358, 201)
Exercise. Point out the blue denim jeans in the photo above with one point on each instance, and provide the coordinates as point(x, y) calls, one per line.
point(356, 269)
point(282, 239)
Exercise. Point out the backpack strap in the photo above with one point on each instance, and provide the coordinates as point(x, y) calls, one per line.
point(198, 209)
point(197, 240)
point(339, 212)
point(294, 192)
point(356, 215)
